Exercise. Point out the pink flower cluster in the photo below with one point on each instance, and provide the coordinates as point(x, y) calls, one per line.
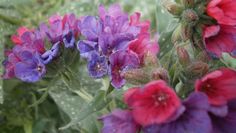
point(155, 107)
point(220, 37)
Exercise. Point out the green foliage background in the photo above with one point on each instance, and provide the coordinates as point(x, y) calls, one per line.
point(67, 100)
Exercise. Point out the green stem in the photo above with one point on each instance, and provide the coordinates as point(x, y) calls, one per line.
point(28, 126)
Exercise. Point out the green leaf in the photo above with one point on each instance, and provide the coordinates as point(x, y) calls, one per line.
point(228, 60)
point(97, 104)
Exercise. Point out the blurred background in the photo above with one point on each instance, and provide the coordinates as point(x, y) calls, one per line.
point(26, 110)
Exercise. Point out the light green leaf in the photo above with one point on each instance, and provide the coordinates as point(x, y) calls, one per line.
point(97, 104)
point(228, 60)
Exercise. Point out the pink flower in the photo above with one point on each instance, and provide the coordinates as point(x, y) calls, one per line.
point(219, 86)
point(155, 103)
point(135, 21)
point(143, 46)
point(17, 38)
point(223, 11)
point(219, 39)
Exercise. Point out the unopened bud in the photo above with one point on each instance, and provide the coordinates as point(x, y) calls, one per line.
point(198, 68)
point(150, 60)
point(188, 3)
point(173, 8)
point(160, 73)
point(136, 76)
point(176, 35)
point(186, 32)
point(190, 17)
point(183, 56)
point(197, 42)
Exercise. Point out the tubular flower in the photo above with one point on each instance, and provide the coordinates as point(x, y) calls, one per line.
point(155, 103)
point(223, 11)
point(219, 39)
point(219, 86)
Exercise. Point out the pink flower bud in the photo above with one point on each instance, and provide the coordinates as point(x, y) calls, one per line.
point(173, 8)
point(183, 56)
point(198, 68)
point(160, 73)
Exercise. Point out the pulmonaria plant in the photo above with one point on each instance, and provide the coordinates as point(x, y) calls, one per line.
point(188, 89)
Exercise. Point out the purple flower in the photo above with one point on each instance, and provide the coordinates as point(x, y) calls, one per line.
point(50, 54)
point(119, 121)
point(90, 28)
point(114, 11)
point(33, 41)
point(194, 119)
point(224, 119)
point(97, 66)
point(61, 29)
point(86, 48)
point(119, 62)
point(30, 68)
point(69, 40)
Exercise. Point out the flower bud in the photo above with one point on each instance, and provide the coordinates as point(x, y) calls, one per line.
point(186, 32)
point(197, 42)
point(173, 8)
point(183, 56)
point(188, 3)
point(136, 76)
point(198, 68)
point(160, 73)
point(176, 35)
point(190, 17)
point(150, 60)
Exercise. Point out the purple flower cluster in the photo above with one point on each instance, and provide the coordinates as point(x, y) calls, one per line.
point(107, 40)
point(112, 43)
point(27, 59)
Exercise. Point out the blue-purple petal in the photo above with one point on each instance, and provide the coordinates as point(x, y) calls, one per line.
point(195, 119)
point(97, 66)
point(119, 121)
point(86, 48)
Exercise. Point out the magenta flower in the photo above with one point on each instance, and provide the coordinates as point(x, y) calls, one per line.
point(17, 38)
point(223, 11)
point(119, 63)
point(119, 121)
point(219, 86)
point(219, 39)
point(142, 46)
point(155, 103)
point(194, 119)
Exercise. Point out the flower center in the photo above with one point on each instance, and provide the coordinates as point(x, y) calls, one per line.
point(39, 68)
point(160, 99)
point(98, 67)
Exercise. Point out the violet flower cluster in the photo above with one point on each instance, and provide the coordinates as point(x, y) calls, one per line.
point(27, 59)
point(114, 43)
